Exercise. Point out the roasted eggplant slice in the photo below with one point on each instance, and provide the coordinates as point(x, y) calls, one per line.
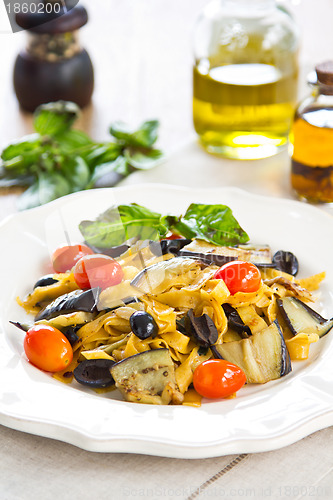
point(94, 373)
point(158, 278)
point(263, 356)
point(49, 279)
point(214, 254)
point(300, 318)
point(78, 300)
point(148, 377)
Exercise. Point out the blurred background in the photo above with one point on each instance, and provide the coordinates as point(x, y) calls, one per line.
point(142, 53)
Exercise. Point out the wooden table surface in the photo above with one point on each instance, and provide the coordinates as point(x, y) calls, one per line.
point(142, 54)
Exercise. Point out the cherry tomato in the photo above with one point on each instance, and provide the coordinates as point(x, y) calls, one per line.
point(97, 270)
point(173, 236)
point(217, 378)
point(47, 348)
point(64, 258)
point(240, 276)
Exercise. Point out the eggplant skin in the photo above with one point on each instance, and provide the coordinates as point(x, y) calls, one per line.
point(301, 318)
point(78, 300)
point(263, 356)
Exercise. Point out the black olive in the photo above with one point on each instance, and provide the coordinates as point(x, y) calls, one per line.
point(94, 373)
point(202, 328)
point(286, 262)
point(45, 281)
point(143, 325)
point(204, 332)
point(70, 334)
point(235, 321)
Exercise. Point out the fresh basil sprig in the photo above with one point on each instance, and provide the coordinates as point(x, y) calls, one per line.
point(58, 160)
point(213, 223)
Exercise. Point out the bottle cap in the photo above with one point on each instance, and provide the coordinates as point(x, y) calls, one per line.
point(53, 22)
point(325, 72)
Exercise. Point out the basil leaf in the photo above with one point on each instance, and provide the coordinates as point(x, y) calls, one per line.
point(77, 173)
point(28, 144)
point(72, 140)
point(52, 186)
point(110, 173)
point(30, 197)
point(121, 223)
point(143, 161)
point(103, 154)
point(55, 117)
point(213, 223)
point(145, 136)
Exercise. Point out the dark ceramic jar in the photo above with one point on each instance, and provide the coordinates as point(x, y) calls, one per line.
point(53, 66)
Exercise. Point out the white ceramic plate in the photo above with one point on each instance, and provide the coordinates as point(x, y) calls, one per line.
point(261, 418)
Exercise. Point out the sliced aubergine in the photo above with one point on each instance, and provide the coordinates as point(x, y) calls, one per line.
point(300, 318)
point(78, 300)
point(214, 254)
point(178, 271)
point(148, 377)
point(94, 373)
point(263, 356)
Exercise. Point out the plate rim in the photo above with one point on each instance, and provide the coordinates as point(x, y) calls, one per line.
point(142, 444)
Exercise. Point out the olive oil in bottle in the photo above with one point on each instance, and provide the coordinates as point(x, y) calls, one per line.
point(245, 78)
point(312, 138)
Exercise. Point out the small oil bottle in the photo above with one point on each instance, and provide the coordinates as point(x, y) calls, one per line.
point(312, 139)
point(244, 77)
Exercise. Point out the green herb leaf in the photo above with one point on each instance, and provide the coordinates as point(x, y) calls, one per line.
point(46, 188)
point(110, 173)
point(30, 197)
point(144, 137)
point(143, 161)
point(26, 144)
point(77, 173)
point(121, 223)
point(55, 117)
point(52, 186)
point(73, 141)
point(213, 223)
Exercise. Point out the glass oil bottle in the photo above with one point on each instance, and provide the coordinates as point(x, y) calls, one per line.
point(312, 139)
point(245, 78)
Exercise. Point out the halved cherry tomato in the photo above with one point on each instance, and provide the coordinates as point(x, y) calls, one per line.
point(173, 236)
point(64, 258)
point(240, 276)
point(97, 270)
point(217, 378)
point(47, 348)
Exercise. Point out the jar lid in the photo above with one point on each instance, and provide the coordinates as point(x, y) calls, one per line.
point(54, 22)
point(325, 72)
